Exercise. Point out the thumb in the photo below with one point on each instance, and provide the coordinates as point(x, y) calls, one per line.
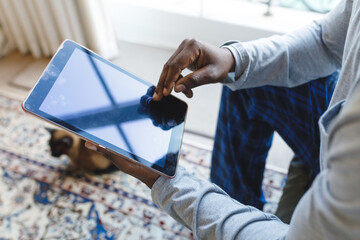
point(99, 149)
point(94, 147)
point(91, 146)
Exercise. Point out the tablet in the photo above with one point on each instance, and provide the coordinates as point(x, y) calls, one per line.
point(102, 103)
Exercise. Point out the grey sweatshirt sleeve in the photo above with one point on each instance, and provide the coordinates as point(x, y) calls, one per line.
point(331, 208)
point(210, 213)
point(291, 59)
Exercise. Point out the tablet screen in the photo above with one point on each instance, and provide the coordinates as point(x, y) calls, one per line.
point(109, 106)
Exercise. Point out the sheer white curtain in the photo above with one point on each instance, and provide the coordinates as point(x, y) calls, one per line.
point(2, 42)
point(39, 26)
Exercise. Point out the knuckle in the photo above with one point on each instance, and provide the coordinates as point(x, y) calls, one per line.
point(190, 42)
point(173, 66)
point(194, 43)
point(186, 41)
point(169, 64)
point(166, 66)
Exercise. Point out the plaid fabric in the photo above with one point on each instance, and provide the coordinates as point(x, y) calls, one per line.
point(246, 123)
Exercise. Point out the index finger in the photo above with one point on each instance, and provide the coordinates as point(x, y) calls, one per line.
point(184, 56)
point(160, 86)
point(187, 57)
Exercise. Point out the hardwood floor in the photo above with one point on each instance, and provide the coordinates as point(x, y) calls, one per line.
point(18, 73)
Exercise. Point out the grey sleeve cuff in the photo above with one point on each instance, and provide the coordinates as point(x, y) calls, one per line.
point(234, 80)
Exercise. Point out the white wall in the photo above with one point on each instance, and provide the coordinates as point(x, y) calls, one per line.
point(216, 22)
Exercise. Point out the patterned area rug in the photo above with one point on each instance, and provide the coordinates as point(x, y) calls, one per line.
point(41, 199)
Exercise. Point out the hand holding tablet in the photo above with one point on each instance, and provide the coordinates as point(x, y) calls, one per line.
point(138, 171)
point(109, 107)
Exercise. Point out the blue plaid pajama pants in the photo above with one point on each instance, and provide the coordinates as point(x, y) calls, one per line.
point(246, 123)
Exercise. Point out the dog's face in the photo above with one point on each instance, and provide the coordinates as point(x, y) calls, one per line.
point(60, 142)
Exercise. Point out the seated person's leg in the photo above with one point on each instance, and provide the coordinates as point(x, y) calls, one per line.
point(293, 112)
point(297, 183)
point(300, 175)
point(240, 149)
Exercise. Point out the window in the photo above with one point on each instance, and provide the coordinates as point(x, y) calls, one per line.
point(320, 6)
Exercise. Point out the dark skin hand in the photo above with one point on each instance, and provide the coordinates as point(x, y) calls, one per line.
point(144, 174)
point(210, 64)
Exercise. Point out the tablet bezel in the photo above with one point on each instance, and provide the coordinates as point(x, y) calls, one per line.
point(48, 78)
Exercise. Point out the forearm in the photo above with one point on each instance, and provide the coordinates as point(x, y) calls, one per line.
point(211, 213)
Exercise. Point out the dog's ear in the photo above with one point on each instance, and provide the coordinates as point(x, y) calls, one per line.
point(60, 146)
point(67, 141)
point(50, 130)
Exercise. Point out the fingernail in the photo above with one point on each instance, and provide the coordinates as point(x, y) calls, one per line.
point(166, 92)
point(189, 94)
point(180, 87)
point(155, 95)
point(91, 146)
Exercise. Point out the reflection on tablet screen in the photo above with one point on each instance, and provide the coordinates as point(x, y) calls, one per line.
point(106, 103)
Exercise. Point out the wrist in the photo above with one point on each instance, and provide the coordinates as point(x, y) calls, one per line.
point(229, 59)
point(149, 180)
point(235, 66)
